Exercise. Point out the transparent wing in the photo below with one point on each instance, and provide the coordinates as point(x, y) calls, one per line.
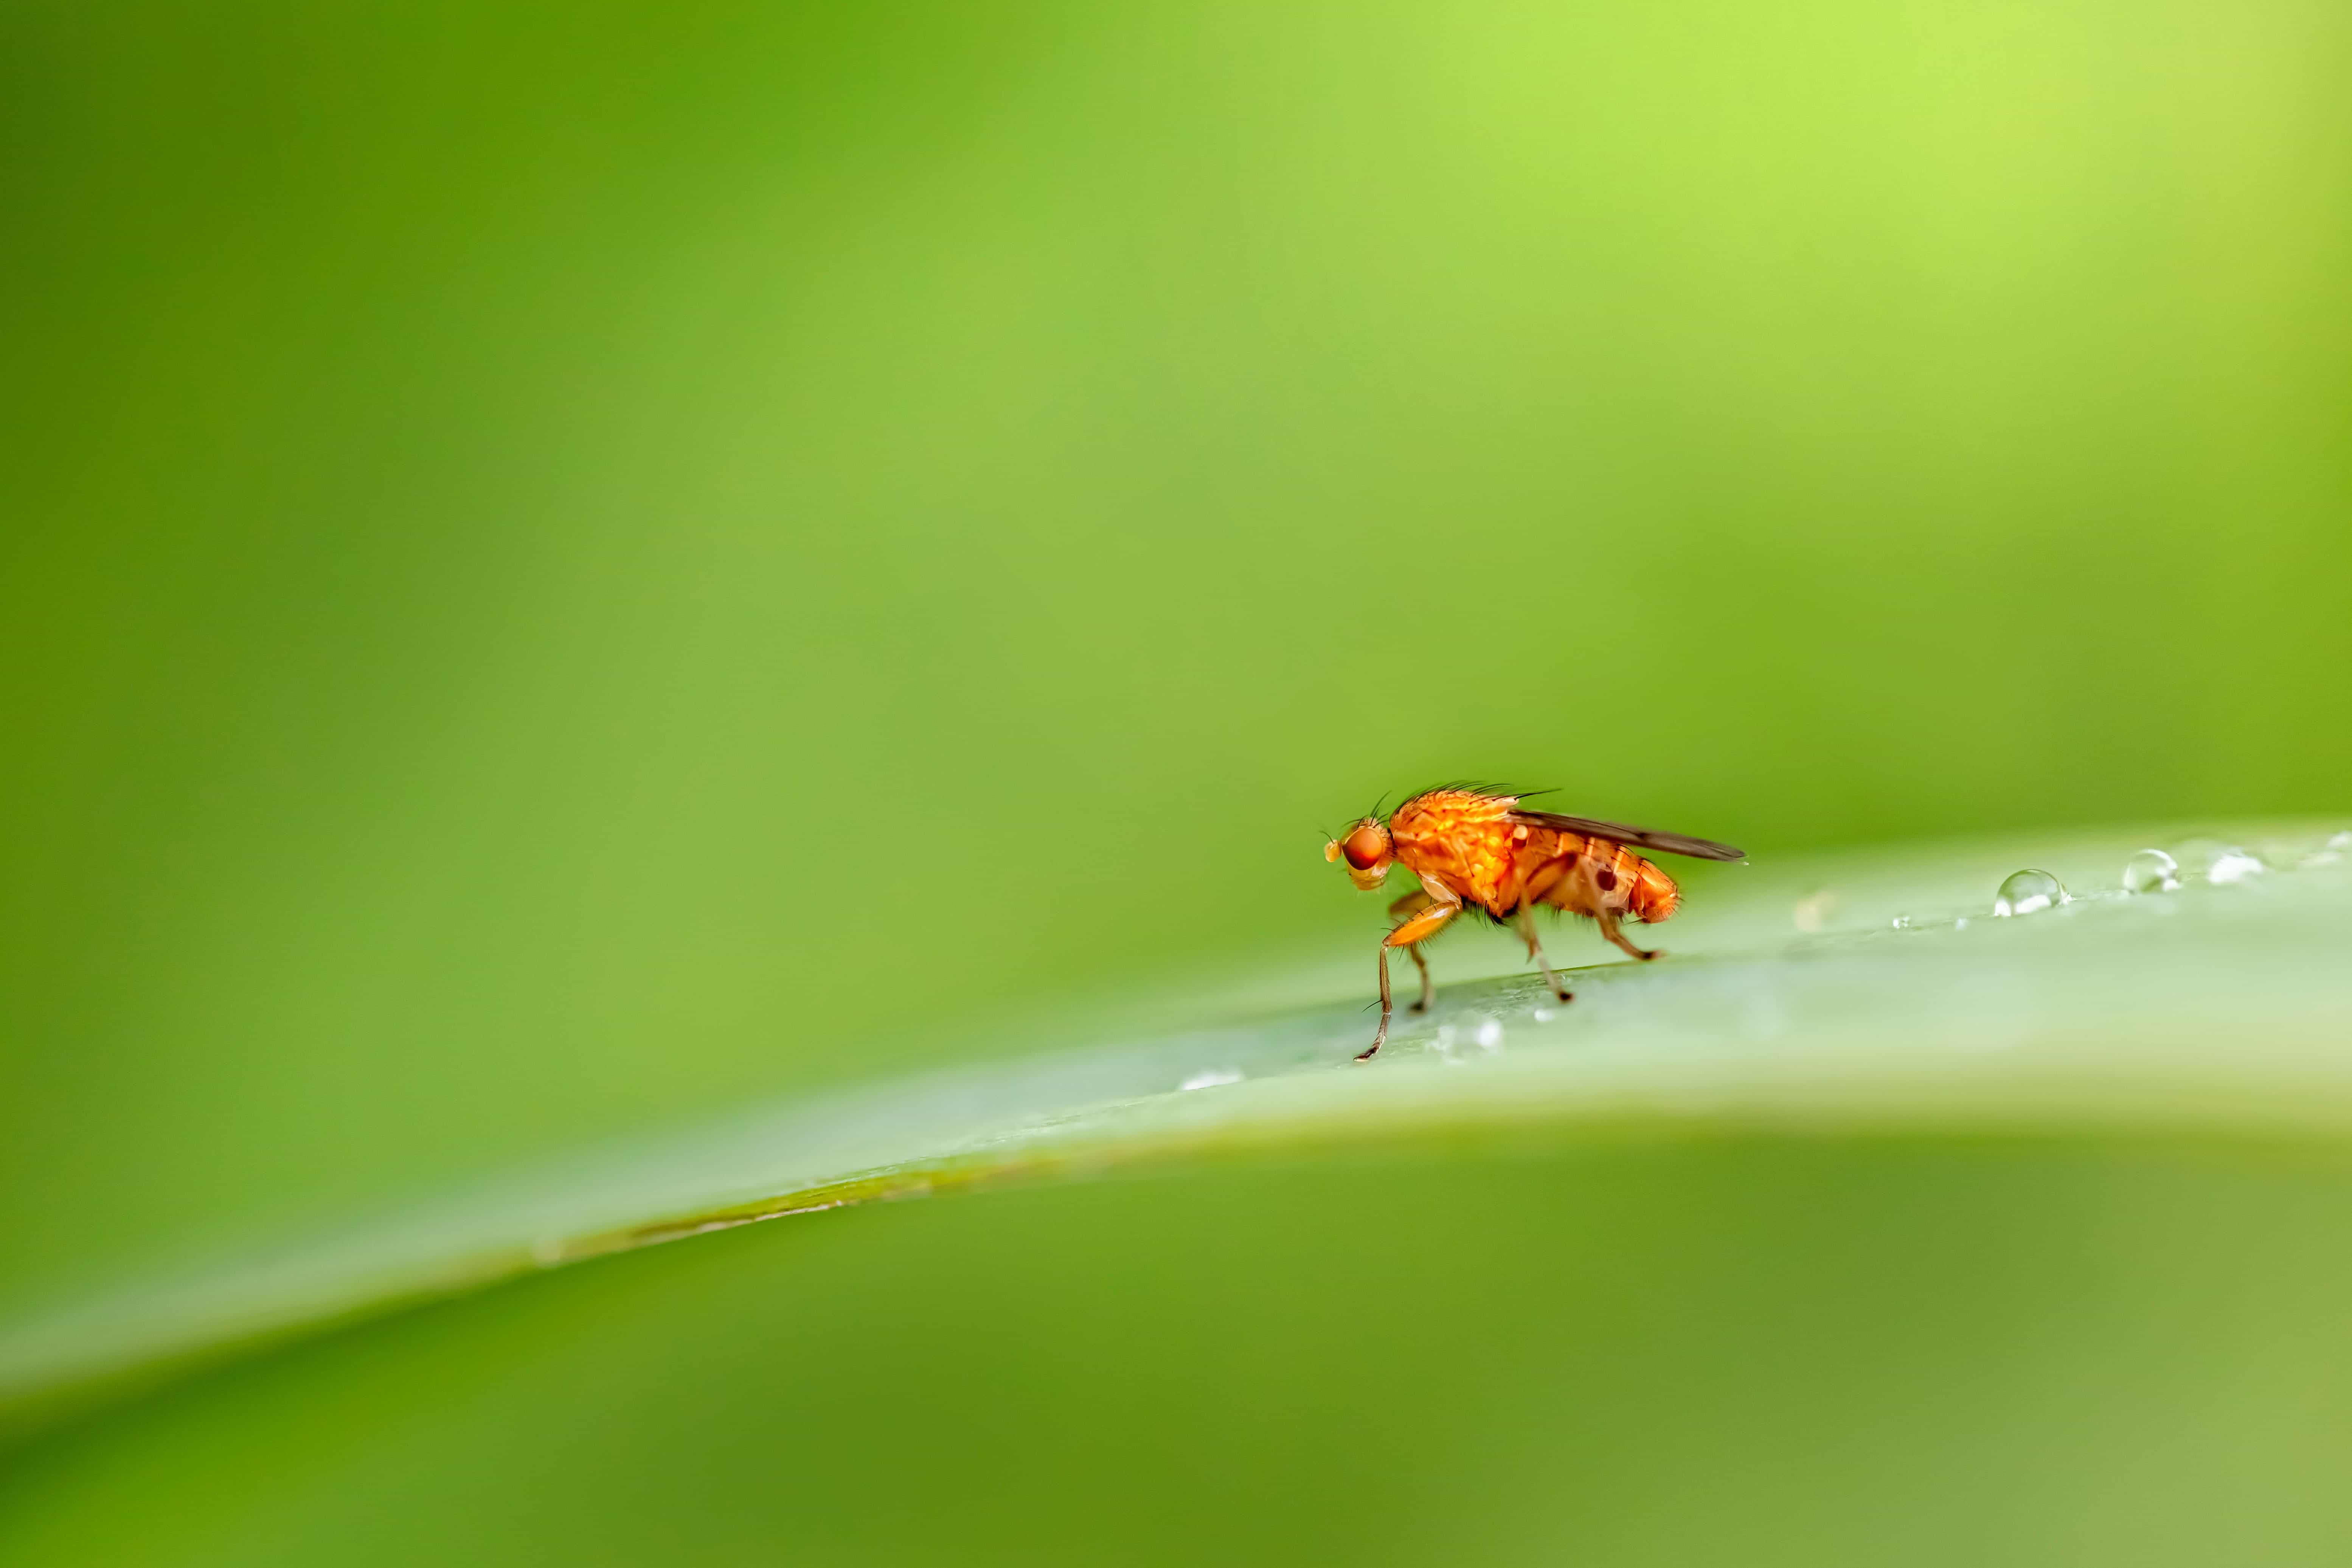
point(1640, 837)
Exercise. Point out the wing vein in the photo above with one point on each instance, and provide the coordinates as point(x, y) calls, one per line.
point(1624, 832)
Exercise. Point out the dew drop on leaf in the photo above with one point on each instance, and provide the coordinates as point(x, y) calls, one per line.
point(2028, 891)
point(2236, 866)
point(2152, 871)
point(2219, 860)
point(2332, 852)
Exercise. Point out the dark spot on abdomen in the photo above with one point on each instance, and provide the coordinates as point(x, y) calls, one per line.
point(1608, 880)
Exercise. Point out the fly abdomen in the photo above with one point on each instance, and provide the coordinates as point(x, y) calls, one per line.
point(1652, 894)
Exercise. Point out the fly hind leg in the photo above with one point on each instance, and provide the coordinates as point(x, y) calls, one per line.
point(1401, 910)
point(1609, 928)
point(1579, 893)
point(1525, 924)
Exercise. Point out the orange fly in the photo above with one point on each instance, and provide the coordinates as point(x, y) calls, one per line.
point(1471, 848)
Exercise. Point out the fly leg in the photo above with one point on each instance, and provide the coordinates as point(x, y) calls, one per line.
point(1526, 928)
point(1607, 919)
point(1579, 892)
point(1419, 928)
point(1403, 909)
point(1381, 1034)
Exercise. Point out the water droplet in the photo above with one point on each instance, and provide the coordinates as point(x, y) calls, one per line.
point(1543, 1015)
point(2217, 860)
point(2152, 871)
point(1452, 1047)
point(2028, 891)
point(1210, 1079)
point(1961, 924)
point(1902, 923)
point(2332, 853)
point(2235, 866)
point(1814, 910)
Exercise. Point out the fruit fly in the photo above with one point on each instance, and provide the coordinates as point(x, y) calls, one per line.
point(1469, 848)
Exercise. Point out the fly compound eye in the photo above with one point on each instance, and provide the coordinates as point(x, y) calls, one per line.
point(1365, 847)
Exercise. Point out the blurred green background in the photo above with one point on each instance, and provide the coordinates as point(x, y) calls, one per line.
point(567, 566)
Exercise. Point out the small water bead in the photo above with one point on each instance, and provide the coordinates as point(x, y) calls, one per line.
point(2236, 866)
point(2332, 853)
point(2217, 860)
point(1212, 1078)
point(2152, 871)
point(2028, 892)
point(1484, 1033)
point(1902, 923)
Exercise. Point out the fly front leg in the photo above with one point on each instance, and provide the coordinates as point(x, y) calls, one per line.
point(1419, 928)
point(1413, 904)
point(1386, 1008)
point(1526, 922)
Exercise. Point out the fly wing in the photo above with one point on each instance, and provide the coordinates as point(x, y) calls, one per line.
point(1641, 838)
